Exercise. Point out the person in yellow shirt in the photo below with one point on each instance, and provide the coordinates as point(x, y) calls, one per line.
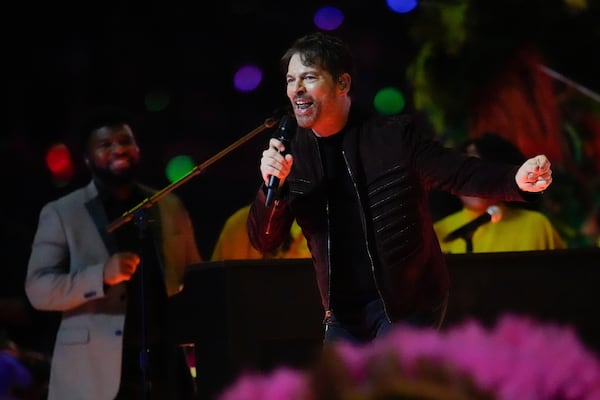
point(510, 227)
point(233, 242)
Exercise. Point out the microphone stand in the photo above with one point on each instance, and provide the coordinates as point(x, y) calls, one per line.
point(138, 215)
point(468, 238)
point(198, 169)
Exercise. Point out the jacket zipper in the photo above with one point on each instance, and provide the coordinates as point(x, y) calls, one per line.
point(328, 311)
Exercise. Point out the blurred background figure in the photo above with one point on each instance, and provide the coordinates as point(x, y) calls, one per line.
point(233, 242)
point(591, 227)
point(15, 377)
point(515, 227)
point(112, 287)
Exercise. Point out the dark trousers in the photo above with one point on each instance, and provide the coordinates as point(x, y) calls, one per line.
point(166, 372)
point(362, 325)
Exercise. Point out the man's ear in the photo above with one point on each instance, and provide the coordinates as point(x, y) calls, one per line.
point(344, 81)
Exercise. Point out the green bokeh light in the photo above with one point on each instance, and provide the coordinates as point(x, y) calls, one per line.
point(156, 100)
point(179, 166)
point(389, 101)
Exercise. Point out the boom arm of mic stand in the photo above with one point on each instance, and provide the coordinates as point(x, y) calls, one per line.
point(198, 169)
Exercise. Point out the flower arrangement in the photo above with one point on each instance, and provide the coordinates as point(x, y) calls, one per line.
point(517, 359)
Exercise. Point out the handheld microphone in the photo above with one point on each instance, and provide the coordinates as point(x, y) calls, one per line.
point(284, 134)
point(493, 214)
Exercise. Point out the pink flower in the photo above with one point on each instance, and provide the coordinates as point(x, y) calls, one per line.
point(518, 358)
point(282, 384)
point(523, 359)
point(355, 359)
point(410, 344)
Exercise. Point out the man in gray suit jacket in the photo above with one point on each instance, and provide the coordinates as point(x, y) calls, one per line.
point(106, 346)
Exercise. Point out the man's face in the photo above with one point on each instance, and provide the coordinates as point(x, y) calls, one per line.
point(315, 97)
point(113, 154)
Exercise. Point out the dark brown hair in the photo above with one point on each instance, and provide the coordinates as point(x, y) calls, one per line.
point(320, 49)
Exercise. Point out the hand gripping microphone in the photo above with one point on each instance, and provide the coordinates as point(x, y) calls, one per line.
point(493, 214)
point(284, 133)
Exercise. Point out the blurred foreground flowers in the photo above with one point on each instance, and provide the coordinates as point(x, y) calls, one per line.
point(517, 359)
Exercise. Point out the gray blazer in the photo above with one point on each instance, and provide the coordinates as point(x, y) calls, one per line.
point(65, 273)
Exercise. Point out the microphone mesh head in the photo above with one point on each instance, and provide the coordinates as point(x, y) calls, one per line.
point(495, 212)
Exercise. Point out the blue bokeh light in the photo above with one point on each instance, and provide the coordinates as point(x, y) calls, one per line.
point(402, 6)
point(328, 18)
point(247, 78)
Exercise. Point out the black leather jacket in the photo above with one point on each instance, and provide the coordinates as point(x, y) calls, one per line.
point(397, 167)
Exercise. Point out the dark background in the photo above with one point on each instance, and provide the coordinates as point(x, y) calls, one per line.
point(59, 59)
point(121, 53)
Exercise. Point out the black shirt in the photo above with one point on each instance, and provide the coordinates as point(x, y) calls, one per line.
point(352, 282)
